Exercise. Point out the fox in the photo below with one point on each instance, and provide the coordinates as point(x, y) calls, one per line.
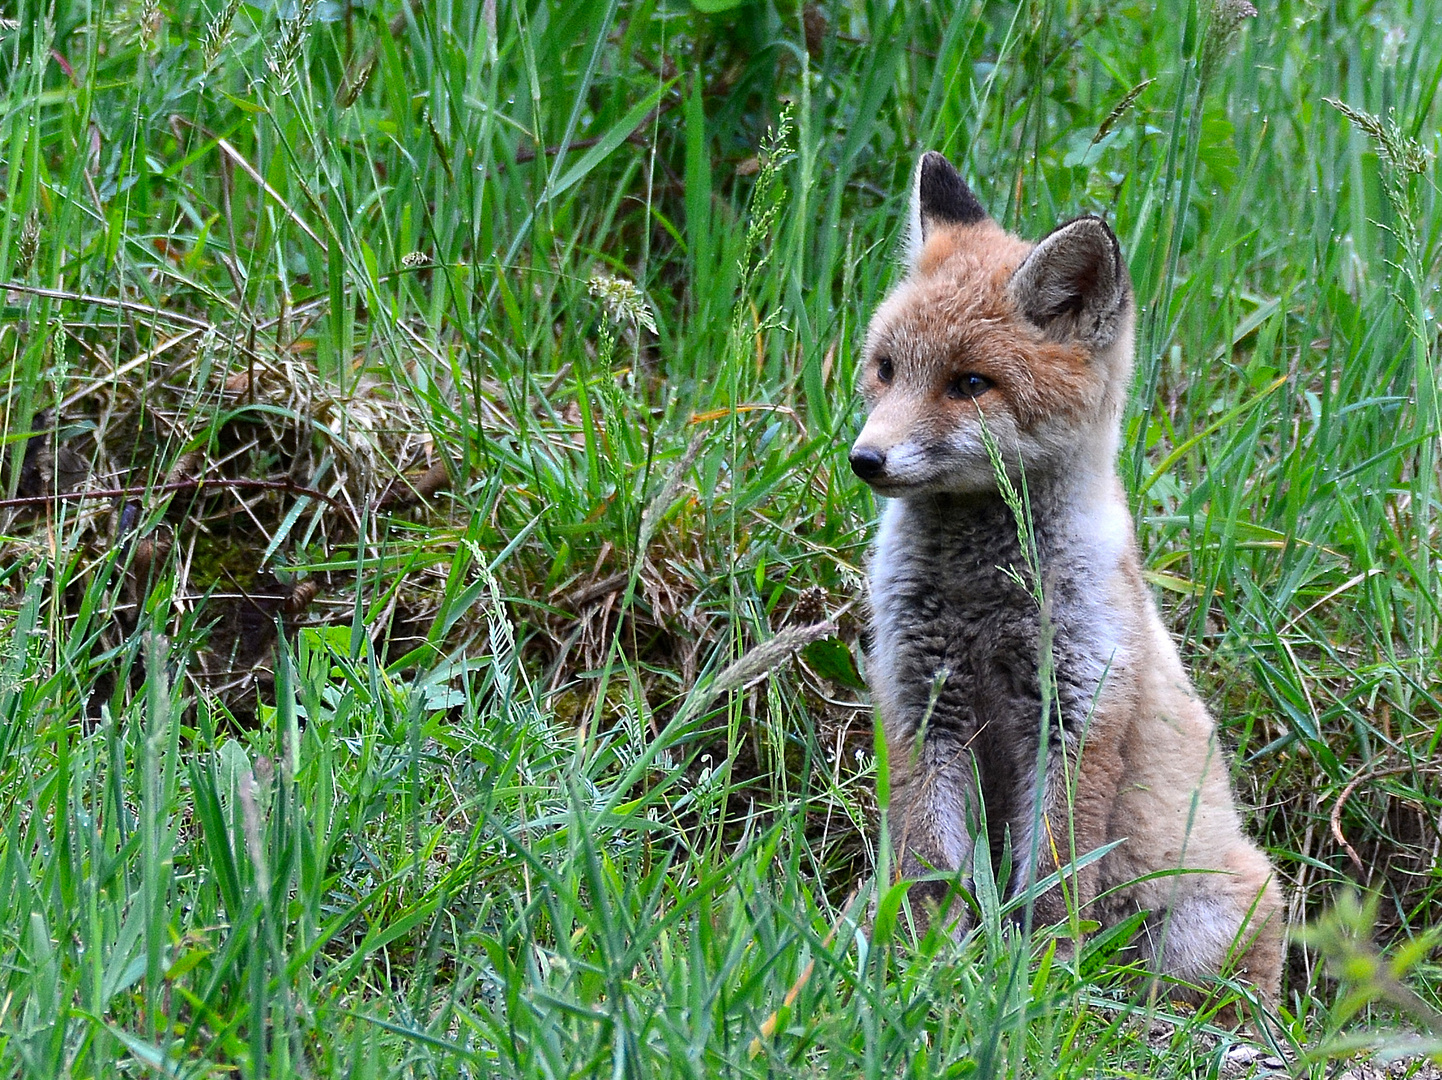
point(995, 364)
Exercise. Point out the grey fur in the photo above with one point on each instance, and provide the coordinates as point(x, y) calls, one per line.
point(962, 644)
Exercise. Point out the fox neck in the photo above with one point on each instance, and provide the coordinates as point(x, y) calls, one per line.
point(1078, 514)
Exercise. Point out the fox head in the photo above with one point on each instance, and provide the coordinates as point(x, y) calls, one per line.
point(1032, 340)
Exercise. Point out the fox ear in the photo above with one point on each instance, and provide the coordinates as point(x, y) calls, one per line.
point(1074, 284)
point(939, 197)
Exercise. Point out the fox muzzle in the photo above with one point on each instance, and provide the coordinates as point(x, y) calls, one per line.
point(867, 462)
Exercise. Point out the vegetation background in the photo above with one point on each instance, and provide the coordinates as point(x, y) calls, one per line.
point(432, 578)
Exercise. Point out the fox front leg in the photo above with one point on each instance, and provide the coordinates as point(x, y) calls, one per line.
point(1077, 793)
point(934, 822)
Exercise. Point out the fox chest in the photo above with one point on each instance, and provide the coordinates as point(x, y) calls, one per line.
point(958, 643)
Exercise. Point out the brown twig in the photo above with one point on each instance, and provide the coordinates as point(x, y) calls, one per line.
point(597, 589)
point(107, 301)
point(530, 153)
point(243, 483)
point(1352, 786)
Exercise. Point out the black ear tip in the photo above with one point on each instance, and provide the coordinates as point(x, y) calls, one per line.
point(1091, 225)
point(1095, 233)
point(1108, 238)
point(935, 159)
point(938, 174)
point(943, 195)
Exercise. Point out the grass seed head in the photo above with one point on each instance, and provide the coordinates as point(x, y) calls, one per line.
point(1223, 21)
point(624, 303)
point(1395, 147)
point(150, 19)
point(29, 245)
point(284, 57)
point(217, 33)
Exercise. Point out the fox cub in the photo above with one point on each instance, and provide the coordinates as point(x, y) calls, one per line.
point(1035, 342)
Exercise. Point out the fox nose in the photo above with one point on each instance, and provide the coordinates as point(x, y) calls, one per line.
point(867, 462)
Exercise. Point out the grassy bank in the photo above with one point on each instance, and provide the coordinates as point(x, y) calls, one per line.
point(431, 576)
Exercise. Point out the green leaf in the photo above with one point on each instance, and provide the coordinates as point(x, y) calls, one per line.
point(1218, 149)
point(244, 105)
point(883, 927)
point(831, 659)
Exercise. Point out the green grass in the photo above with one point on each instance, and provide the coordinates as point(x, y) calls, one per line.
point(518, 795)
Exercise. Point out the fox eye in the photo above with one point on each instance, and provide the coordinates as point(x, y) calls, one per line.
point(970, 385)
point(885, 370)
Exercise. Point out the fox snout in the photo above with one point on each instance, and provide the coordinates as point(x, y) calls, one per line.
point(880, 445)
point(867, 462)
